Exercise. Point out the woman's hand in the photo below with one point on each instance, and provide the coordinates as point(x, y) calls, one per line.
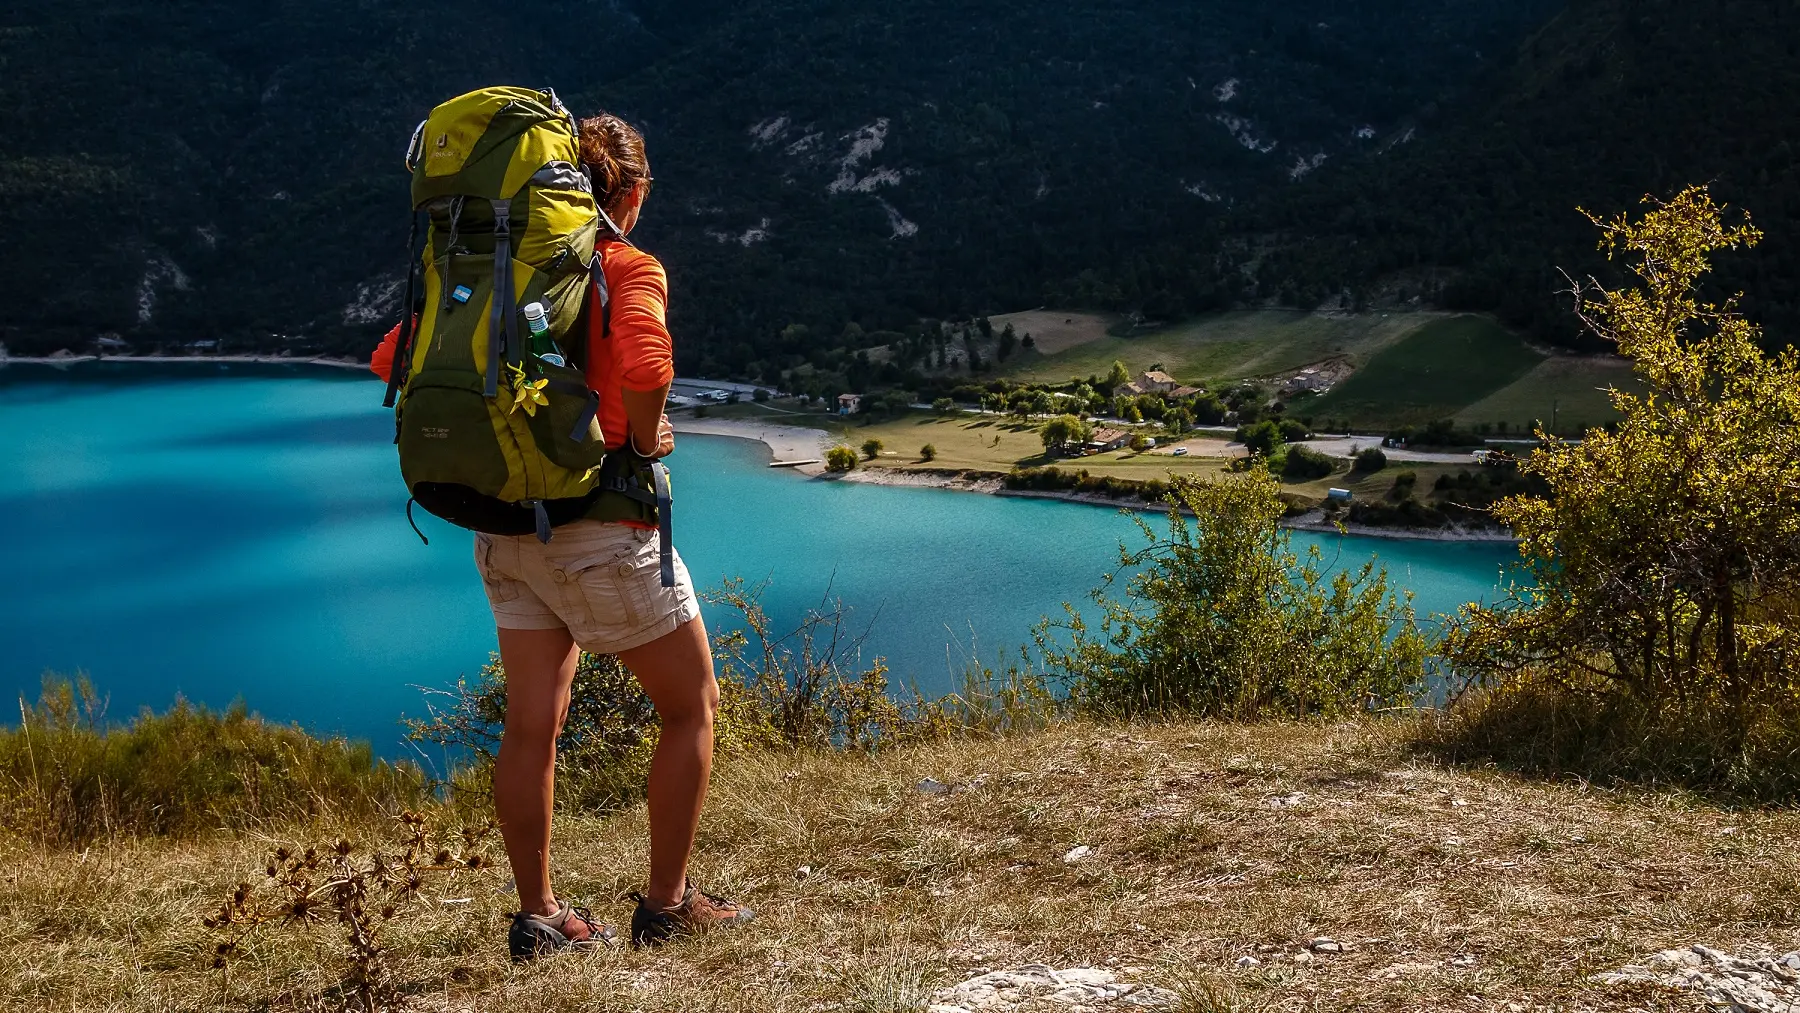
point(665, 441)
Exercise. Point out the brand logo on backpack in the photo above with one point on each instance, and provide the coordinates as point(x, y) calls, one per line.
point(435, 434)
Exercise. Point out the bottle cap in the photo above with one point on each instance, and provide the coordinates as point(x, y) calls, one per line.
point(534, 311)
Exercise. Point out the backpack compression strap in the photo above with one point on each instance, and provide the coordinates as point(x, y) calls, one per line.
point(402, 362)
point(658, 495)
point(501, 312)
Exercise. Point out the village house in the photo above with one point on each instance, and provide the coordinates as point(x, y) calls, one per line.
point(1156, 382)
point(1107, 439)
point(849, 404)
point(1309, 379)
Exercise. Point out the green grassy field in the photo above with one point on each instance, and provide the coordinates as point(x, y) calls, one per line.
point(1572, 389)
point(1228, 346)
point(986, 443)
point(1432, 373)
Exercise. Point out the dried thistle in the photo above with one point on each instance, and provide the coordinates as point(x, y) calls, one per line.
point(363, 890)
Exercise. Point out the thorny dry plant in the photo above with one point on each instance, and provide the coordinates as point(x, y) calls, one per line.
point(360, 889)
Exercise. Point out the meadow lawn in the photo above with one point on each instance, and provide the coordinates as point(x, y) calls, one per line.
point(1433, 373)
point(1226, 346)
point(1573, 389)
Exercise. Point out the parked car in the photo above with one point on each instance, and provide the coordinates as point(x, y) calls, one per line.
point(1178, 452)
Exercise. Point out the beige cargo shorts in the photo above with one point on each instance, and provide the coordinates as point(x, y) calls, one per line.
point(602, 582)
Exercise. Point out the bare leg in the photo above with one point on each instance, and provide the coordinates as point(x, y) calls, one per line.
point(677, 674)
point(540, 667)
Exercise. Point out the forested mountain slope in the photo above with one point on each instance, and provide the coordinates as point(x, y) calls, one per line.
point(1612, 100)
point(208, 169)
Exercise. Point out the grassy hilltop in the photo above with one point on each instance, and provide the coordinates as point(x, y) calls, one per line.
point(1449, 887)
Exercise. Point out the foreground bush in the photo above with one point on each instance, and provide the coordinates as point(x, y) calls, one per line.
point(1221, 618)
point(67, 777)
point(1664, 565)
point(804, 688)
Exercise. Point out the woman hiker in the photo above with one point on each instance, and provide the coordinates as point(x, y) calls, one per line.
point(596, 587)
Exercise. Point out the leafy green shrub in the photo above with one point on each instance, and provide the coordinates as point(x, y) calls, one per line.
point(1058, 480)
point(928, 452)
point(1404, 485)
point(1407, 513)
point(1370, 460)
point(871, 448)
point(66, 776)
point(1294, 432)
point(840, 459)
point(1260, 438)
point(1222, 618)
point(1304, 464)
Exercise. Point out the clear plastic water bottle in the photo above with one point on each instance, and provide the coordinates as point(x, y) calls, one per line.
point(542, 344)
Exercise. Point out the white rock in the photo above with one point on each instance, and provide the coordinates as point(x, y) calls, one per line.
point(1326, 944)
point(1077, 853)
point(1033, 985)
point(803, 872)
point(1303, 957)
point(1248, 962)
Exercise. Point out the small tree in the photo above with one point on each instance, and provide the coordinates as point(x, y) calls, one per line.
point(1370, 460)
point(760, 396)
point(1118, 376)
point(871, 448)
point(928, 452)
point(1029, 341)
point(1009, 339)
point(840, 459)
point(733, 398)
point(1063, 430)
point(1140, 442)
point(944, 406)
point(1665, 564)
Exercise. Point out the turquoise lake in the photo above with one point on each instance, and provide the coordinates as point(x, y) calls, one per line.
point(226, 532)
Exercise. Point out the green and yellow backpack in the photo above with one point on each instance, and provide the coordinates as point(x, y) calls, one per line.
point(493, 437)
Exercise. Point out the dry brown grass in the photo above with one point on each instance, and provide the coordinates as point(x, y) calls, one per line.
point(1453, 889)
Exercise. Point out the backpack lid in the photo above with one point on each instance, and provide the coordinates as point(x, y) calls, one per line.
point(490, 143)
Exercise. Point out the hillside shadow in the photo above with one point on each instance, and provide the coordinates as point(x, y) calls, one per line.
point(1546, 735)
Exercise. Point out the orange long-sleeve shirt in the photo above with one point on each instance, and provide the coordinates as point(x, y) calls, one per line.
point(636, 351)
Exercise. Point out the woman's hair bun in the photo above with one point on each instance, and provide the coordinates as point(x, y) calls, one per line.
point(613, 151)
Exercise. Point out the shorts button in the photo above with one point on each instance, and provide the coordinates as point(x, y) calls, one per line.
point(624, 569)
point(559, 576)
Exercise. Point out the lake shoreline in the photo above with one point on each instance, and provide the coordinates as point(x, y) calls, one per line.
point(791, 442)
point(232, 360)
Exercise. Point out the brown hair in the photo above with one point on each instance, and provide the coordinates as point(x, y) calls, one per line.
point(613, 151)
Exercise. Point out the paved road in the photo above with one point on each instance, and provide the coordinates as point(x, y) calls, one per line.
point(1346, 446)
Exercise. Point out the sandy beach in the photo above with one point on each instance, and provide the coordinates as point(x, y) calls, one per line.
point(991, 483)
point(785, 443)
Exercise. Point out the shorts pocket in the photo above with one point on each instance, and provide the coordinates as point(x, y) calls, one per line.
point(602, 585)
point(499, 587)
